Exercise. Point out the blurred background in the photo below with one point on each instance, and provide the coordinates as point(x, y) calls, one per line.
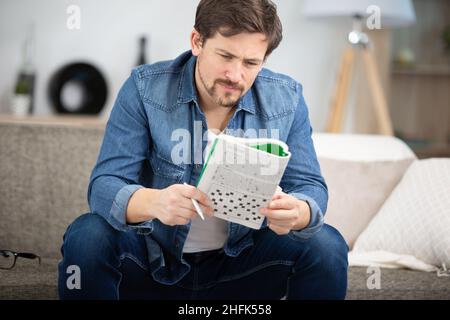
point(71, 57)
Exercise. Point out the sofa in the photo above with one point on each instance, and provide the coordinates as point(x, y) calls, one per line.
point(44, 174)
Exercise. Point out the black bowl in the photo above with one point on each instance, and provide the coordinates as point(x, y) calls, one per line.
point(91, 83)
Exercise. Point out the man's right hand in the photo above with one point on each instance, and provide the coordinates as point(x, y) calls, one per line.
point(172, 205)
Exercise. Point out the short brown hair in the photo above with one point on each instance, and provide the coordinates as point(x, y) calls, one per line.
point(231, 17)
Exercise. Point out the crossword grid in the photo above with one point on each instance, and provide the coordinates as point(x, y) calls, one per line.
point(233, 205)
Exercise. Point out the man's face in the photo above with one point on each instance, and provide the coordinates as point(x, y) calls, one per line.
point(228, 66)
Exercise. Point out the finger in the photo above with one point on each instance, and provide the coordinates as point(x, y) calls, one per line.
point(278, 214)
point(277, 195)
point(207, 210)
point(283, 203)
point(181, 203)
point(194, 193)
point(186, 203)
point(186, 213)
point(286, 224)
point(204, 209)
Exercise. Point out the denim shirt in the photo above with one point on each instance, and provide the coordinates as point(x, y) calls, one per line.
point(139, 139)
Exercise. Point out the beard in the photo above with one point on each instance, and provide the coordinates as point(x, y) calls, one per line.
point(226, 100)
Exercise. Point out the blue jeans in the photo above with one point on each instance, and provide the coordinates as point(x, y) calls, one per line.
point(113, 265)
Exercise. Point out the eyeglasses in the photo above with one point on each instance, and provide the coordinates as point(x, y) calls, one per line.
point(8, 258)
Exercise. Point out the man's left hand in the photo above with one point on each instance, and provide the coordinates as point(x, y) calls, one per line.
point(285, 213)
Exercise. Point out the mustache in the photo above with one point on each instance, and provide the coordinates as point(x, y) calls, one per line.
point(229, 83)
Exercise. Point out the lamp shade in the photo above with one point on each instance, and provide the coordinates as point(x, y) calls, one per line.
point(394, 13)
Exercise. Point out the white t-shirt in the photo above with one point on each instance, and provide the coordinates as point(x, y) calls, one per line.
point(206, 235)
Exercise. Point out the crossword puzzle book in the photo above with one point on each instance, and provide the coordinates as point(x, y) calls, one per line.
point(241, 175)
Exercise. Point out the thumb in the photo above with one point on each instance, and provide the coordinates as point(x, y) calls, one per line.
point(277, 195)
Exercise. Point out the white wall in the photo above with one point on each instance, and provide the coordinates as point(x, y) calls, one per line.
point(109, 36)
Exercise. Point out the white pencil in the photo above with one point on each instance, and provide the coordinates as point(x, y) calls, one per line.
point(197, 206)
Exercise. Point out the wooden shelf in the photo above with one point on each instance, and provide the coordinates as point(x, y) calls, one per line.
point(419, 93)
point(422, 70)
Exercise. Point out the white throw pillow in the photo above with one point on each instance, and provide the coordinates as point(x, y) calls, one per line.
point(415, 219)
point(361, 171)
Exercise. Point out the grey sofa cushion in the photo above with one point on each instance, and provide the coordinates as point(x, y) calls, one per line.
point(44, 174)
point(28, 281)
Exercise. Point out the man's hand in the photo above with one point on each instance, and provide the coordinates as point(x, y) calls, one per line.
point(285, 213)
point(172, 205)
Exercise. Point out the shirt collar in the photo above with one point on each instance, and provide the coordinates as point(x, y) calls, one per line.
point(187, 91)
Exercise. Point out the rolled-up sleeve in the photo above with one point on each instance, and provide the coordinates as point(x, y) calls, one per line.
point(302, 178)
point(124, 149)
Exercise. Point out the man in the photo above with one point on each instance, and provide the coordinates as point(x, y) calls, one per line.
point(144, 239)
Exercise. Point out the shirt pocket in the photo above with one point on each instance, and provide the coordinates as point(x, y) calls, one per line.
point(165, 172)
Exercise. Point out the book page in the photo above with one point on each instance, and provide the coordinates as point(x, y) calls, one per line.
point(240, 180)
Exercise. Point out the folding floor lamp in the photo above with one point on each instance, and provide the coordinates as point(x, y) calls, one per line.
point(392, 14)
